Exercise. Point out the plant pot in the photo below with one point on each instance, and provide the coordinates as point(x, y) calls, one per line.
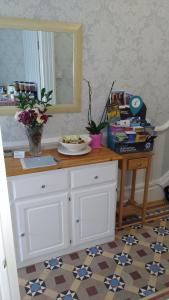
point(34, 137)
point(96, 140)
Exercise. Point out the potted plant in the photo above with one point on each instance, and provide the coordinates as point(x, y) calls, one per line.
point(93, 128)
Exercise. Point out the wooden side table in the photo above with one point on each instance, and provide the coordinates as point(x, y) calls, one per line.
point(133, 162)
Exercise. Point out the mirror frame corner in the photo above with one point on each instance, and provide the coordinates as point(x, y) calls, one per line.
point(46, 25)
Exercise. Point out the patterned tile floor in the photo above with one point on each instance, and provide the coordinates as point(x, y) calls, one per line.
point(134, 266)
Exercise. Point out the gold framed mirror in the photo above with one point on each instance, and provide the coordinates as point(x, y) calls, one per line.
point(53, 61)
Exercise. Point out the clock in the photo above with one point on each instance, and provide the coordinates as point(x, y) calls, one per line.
point(136, 104)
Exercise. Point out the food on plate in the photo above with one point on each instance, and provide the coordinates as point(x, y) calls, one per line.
point(72, 139)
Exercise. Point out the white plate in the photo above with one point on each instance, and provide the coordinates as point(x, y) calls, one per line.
point(63, 150)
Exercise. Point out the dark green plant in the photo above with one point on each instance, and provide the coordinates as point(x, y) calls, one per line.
point(92, 127)
point(24, 101)
point(95, 129)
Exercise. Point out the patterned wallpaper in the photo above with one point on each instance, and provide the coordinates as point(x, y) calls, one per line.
point(123, 40)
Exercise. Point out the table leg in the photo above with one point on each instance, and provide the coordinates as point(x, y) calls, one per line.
point(121, 197)
point(133, 185)
point(146, 184)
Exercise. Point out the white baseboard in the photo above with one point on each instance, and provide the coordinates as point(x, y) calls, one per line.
point(155, 189)
point(50, 142)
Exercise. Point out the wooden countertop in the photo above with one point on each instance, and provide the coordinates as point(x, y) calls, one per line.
point(13, 165)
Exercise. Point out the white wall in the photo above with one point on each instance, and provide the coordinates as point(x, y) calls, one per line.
point(123, 40)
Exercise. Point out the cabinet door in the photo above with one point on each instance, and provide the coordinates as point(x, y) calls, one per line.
point(42, 225)
point(93, 213)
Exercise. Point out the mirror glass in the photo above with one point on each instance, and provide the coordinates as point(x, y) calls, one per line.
point(33, 59)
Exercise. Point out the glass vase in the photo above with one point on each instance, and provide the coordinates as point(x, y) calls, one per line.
point(34, 137)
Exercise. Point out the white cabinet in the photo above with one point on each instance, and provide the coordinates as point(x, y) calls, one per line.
point(94, 174)
point(38, 184)
point(42, 226)
point(93, 213)
point(61, 211)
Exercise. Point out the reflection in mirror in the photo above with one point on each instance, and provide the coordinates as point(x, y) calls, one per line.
point(36, 54)
point(63, 49)
point(30, 60)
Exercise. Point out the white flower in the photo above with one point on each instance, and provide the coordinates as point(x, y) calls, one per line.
point(27, 109)
point(39, 120)
point(17, 115)
point(44, 99)
point(40, 107)
point(36, 110)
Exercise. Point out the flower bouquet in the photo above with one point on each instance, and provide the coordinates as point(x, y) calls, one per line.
point(32, 114)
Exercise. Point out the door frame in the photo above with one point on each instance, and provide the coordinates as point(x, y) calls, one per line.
point(7, 232)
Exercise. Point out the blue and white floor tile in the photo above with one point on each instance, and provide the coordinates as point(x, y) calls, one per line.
point(82, 272)
point(134, 266)
point(114, 283)
point(53, 263)
point(35, 287)
point(94, 251)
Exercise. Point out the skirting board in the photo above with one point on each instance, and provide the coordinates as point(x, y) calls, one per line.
point(155, 189)
point(46, 142)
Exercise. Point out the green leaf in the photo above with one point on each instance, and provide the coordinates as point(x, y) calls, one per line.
point(88, 128)
point(95, 129)
point(93, 124)
point(101, 126)
point(49, 94)
point(43, 90)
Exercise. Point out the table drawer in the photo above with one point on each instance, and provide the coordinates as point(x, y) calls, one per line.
point(94, 174)
point(39, 184)
point(138, 163)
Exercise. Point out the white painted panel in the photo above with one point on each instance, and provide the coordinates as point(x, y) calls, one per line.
point(4, 280)
point(40, 184)
point(94, 174)
point(41, 225)
point(7, 234)
point(93, 225)
point(93, 213)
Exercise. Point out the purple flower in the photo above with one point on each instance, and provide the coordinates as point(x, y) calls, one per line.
point(27, 117)
point(31, 117)
point(24, 117)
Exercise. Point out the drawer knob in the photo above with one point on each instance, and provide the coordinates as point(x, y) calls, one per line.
point(22, 234)
point(96, 177)
point(43, 186)
point(77, 221)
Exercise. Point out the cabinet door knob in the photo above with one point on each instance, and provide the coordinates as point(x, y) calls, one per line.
point(43, 186)
point(96, 177)
point(77, 221)
point(22, 234)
